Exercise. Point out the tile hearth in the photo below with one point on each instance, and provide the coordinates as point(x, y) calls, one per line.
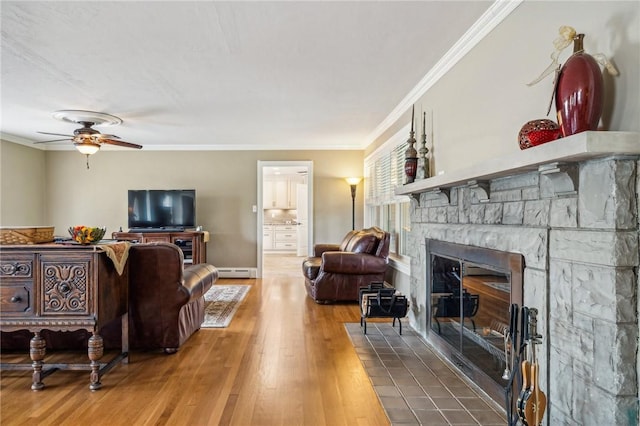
point(414, 385)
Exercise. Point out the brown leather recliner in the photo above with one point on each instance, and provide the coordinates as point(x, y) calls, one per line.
point(337, 271)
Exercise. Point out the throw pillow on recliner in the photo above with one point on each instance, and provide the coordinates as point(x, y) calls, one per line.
point(362, 242)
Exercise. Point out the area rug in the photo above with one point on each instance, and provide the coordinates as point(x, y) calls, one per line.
point(221, 303)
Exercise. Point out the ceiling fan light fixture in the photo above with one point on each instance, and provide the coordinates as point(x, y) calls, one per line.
point(87, 147)
point(86, 139)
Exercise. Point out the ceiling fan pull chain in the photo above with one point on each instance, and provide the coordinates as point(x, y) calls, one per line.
point(87, 161)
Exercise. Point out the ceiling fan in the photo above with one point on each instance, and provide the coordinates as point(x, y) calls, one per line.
point(86, 139)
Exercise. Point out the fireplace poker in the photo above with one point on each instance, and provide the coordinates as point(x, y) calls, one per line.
point(507, 336)
point(514, 333)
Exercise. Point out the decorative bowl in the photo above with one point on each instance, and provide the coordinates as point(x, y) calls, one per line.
point(87, 234)
point(537, 132)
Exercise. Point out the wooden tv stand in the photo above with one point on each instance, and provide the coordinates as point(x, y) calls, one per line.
point(192, 243)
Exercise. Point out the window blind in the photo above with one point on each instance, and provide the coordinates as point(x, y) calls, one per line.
point(383, 173)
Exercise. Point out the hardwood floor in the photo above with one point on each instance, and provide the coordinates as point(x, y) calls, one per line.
point(284, 360)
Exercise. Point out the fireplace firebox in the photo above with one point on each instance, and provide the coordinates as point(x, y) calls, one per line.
point(469, 293)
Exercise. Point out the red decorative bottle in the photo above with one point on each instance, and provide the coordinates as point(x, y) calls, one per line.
point(579, 92)
point(411, 168)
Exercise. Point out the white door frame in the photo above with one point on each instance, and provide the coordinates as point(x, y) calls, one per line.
point(261, 166)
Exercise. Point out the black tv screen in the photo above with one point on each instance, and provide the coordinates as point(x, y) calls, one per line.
point(158, 208)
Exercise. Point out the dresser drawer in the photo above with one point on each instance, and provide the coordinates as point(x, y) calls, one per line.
point(17, 268)
point(15, 298)
point(285, 236)
point(156, 238)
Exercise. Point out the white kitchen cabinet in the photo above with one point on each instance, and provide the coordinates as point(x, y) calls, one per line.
point(285, 237)
point(267, 237)
point(279, 237)
point(285, 246)
point(269, 198)
point(279, 192)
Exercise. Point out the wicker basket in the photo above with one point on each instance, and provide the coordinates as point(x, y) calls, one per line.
point(26, 235)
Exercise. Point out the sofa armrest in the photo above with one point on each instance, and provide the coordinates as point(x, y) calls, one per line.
point(353, 263)
point(318, 249)
point(198, 279)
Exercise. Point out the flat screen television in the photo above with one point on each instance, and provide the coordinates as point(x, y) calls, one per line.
point(162, 208)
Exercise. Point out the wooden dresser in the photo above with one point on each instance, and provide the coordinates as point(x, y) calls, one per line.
point(62, 288)
point(192, 243)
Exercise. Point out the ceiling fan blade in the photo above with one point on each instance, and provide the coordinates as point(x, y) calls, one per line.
point(103, 136)
point(55, 134)
point(54, 140)
point(121, 143)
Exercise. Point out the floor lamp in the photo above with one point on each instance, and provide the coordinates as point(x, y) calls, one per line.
point(353, 183)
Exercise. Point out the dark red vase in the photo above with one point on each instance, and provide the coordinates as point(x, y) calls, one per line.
point(579, 93)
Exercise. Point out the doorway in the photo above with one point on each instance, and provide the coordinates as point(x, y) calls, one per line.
point(285, 211)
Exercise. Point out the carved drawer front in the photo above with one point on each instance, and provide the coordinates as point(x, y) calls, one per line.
point(15, 298)
point(18, 267)
point(65, 287)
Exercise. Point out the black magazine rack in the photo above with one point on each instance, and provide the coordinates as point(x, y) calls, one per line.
point(378, 301)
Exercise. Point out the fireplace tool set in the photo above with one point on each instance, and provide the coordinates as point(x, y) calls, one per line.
point(522, 369)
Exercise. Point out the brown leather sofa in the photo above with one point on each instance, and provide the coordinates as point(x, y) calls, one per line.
point(166, 304)
point(336, 272)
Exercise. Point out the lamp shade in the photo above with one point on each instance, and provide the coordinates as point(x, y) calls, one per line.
point(87, 148)
point(353, 180)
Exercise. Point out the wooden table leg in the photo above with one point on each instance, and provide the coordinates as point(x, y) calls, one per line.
point(37, 350)
point(95, 350)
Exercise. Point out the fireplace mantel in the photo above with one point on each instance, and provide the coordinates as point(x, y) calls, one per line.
point(545, 158)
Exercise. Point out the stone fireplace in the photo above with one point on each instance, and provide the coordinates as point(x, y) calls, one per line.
point(570, 208)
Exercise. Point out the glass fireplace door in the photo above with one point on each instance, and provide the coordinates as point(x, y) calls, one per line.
point(469, 292)
point(470, 311)
point(486, 298)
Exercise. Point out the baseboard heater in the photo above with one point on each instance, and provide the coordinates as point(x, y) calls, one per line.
point(237, 272)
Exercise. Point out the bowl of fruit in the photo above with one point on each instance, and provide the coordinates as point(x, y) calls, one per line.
point(87, 234)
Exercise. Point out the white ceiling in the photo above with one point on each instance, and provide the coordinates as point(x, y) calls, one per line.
point(221, 75)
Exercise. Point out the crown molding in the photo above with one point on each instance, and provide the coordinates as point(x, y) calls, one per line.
point(227, 147)
point(231, 147)
point(17, 139)
point(496, 13)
